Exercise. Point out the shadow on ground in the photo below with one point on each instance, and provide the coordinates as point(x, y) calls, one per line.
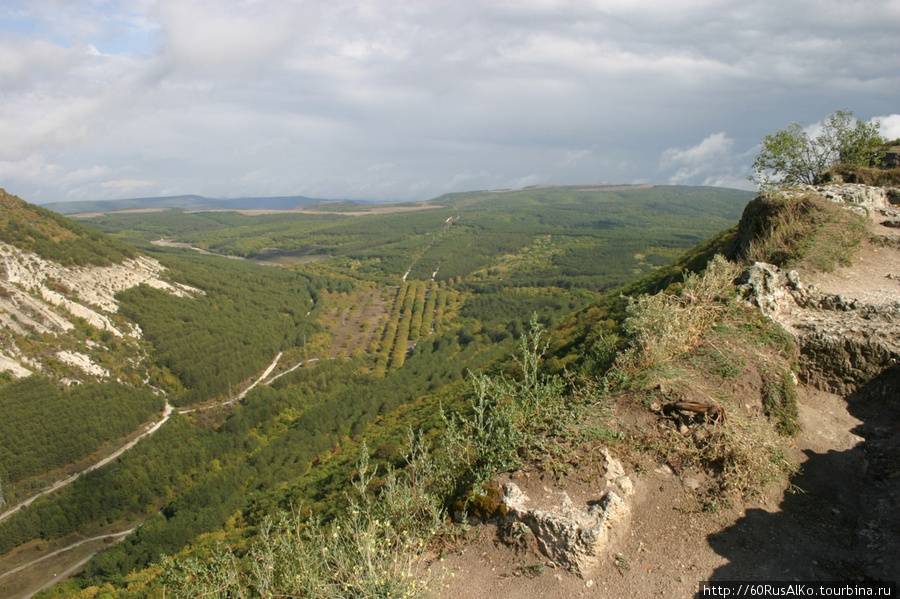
point(840, 519)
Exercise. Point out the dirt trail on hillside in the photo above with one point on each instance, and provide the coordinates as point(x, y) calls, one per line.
point(150, 429)
point(36, 583)
point(796, 533)
point(874, 276)
point(25, 580)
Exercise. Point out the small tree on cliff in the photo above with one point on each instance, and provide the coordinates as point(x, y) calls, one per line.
point(792, 157)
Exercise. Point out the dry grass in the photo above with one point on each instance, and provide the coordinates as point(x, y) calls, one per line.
point(693, 346)
point(875, 177)
point(806, 232)
point(745, 453)
point(663, 326)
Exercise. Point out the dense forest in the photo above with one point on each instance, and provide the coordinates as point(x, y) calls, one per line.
point(373, 326)
point(245, 316)
point(45, 425)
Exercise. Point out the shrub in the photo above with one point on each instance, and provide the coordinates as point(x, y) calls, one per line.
point(508, 419)
point(663, 326)
point(872, 176)
point(372, 551)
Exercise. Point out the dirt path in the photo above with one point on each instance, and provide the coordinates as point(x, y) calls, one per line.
point(673, 544)
point(28, 579)
point(261, 378)
point(291, 369)
point(177, 244)
point(51, 578)
point(116, 536)
point(874, 276)
point(167, 413)
point(240, 395)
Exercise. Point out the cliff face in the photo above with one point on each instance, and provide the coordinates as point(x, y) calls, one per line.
point(62, 319)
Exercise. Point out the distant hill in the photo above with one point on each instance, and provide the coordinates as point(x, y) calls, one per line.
point(189, 202)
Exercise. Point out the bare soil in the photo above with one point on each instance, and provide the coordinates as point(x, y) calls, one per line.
point(874, 276)
point(355, 325)
point(820, 526)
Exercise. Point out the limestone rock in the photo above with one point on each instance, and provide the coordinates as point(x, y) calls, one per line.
point(570, 536)
point(39, 296)
point(768, 288)
point(869, 199)
point(844, 343)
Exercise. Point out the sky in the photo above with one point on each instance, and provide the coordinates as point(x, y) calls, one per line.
point(404, 100)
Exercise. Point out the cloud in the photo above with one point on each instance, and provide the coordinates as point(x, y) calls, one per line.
point(572, 158)
point(207, 35)
point(709, 150)
point(890, 126)
point(269, 97)
point(710, 162)
point(126, 184)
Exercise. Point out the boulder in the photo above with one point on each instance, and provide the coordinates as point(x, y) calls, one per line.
point(773, 291)
point(574, 537)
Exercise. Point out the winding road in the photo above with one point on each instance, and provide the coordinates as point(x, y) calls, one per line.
point(167, 413)
point(118, 536)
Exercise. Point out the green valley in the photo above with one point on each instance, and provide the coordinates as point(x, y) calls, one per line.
point(354, 325)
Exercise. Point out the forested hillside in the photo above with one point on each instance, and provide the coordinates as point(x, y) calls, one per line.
point(35, 229)
point(592, 237)
point(341, 328)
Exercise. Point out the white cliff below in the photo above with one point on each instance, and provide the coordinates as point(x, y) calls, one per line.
point(40, 297)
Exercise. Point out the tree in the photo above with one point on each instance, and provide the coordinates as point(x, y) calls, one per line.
point(792, 157)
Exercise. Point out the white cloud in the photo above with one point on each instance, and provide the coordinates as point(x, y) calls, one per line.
point(713, 162)
point(711, 154)
point(572, 158)
point(21, 58)
point(81, 175)
point(211, 35)
point(126, 184)
point(890, 126)
point(393, 100)
point(711, 149)
point(32, 169)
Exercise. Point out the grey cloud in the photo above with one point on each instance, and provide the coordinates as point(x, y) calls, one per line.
point(277, 97)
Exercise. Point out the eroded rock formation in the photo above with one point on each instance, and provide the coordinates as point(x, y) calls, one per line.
point(845, 341)
point(575, 537)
